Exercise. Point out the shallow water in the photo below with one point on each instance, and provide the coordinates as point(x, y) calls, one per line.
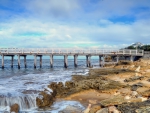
point(22, 85)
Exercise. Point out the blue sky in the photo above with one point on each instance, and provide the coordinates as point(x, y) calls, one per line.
point(74, 23)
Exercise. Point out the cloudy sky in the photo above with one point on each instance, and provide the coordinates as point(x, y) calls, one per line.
point(74, 23)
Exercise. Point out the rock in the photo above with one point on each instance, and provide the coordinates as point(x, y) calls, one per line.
point(46, 100)
point(138, 69)
point(127, 97)
point(71, 109)
point(69, 84)
point(93, 101)
point(95, 108)
point(134, 93)
point(124, 62)
point(116, 93)
point(143, 98)
point(138, 74)
point(134, 78)
point(113, 109)
point(132, 107)
point(104, 110)
point(87, 110)
point(134, 87)
point(115, 100)
point(145, 93)
point(14, 108)
point(135, 100)
point(132, 66)
point(143, 110)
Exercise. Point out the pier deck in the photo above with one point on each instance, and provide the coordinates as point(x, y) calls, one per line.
point(39, 52)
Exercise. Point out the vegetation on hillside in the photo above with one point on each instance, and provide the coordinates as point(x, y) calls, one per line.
point(144, 47)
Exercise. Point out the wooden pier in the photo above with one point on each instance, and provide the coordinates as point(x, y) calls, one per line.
point(88, 53)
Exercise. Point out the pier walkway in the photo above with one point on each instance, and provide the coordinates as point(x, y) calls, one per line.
point(39, 52)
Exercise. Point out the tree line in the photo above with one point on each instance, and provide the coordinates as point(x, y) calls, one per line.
point(144, 47)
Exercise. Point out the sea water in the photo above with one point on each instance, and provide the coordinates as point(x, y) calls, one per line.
point(22, 85)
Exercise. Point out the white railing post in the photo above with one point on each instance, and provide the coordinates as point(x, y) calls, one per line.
point(130, 52)
point(142, 52)
point(52, 51)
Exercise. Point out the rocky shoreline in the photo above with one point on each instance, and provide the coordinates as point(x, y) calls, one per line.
point(120, 88)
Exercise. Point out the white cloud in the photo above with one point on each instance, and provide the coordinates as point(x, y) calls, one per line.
point(52, 34)
point(54, 8)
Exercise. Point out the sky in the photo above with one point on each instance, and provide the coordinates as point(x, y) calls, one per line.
point(74, 23)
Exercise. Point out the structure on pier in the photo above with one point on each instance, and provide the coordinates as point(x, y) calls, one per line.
point(39, 52)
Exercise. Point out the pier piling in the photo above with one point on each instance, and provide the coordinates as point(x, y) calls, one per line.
point(25, 63)
point(35, 57)
point(2, 61)
point(87, 64)
point(18, 61)
point(131, 58)
point(12, 60)
point(51, 61)
point(65, 61)
point(40, 61)
point(89, 60)
point(100, 59)
point(75, 60)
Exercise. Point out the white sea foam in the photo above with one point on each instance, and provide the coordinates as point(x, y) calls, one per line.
point(59, 106)
point(11, 89)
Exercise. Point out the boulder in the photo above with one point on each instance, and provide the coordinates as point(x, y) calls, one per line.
point(113, 109)
point(115, 100)
point(104, 110)
point(14, 108)
point(46, 100)
point(95, 108)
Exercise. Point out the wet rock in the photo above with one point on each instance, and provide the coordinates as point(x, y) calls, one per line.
point(95, 108)
point(53, 85)
point(46, 100)
point(71, 109)
point(69, 84)
point(14, 108)
point(104, 110)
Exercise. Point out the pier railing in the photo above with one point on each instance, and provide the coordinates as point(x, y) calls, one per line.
point(70, 51)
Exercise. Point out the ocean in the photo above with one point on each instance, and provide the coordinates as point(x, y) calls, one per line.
point(22, 85)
